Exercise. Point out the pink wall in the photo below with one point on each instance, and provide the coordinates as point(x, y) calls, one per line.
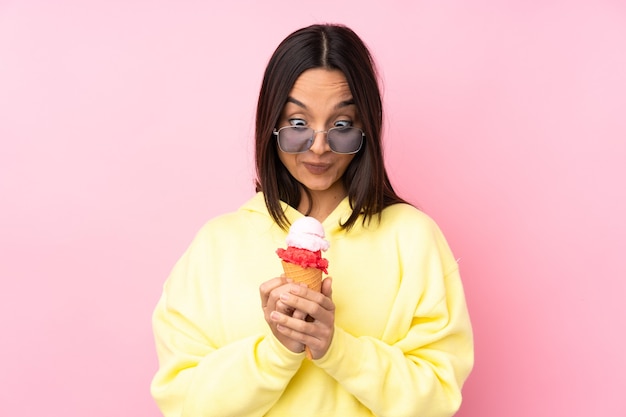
point(125, 125)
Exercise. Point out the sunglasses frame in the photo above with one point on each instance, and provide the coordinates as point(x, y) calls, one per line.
point(311, 139)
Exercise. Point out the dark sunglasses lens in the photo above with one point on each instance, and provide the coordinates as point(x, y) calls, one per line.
point(295, 139)
point(345, 139)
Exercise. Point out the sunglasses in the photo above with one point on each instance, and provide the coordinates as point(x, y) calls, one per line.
point(299, 139)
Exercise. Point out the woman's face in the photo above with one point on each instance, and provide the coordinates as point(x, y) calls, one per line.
point(320, 99)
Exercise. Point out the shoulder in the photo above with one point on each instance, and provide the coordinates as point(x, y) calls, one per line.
point(249, 218)
point(404, 216)
point(412, 228)
point(251, 221)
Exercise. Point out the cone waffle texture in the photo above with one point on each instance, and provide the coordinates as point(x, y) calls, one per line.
point(312, 277)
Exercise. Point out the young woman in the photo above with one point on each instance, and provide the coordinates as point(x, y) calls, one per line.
point(389, 334)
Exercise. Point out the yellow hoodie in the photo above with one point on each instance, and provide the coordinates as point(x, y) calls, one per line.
point(402, 344)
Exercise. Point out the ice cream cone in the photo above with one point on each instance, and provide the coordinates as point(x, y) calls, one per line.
point(302, 260)
point(312, 277)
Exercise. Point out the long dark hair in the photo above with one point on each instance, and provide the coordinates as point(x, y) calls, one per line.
point(331, 47)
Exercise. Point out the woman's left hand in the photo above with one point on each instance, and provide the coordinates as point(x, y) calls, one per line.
point(318, 330)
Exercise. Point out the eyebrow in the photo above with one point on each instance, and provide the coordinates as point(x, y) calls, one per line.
point(339, 105)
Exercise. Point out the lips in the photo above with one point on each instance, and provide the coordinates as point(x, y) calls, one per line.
point(316, 168)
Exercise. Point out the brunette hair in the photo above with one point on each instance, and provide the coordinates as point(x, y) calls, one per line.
point(333, 47)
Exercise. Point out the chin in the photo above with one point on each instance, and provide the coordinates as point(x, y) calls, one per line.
point(319, 185)
point(313, 187)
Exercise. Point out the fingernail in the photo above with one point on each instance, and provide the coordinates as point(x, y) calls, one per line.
point(284, 296)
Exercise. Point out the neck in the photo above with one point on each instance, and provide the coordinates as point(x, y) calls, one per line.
point(323, 202)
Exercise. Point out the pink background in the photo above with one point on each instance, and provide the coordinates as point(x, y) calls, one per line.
point(125, 125)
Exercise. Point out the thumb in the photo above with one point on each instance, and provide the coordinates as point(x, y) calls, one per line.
point(327, 287)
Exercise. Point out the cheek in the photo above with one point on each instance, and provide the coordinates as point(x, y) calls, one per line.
point(343, 163)
point(288, 160)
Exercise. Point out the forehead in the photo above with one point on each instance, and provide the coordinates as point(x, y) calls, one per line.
point(321, 85)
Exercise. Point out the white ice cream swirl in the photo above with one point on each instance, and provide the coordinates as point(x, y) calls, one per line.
point(307, 233)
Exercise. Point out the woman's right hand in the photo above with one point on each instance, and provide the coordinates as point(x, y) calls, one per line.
point(270, 301)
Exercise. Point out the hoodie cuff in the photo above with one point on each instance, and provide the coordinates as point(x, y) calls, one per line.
point(271, 351)
point(344, 357)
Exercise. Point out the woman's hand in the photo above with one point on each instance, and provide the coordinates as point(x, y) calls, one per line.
point(318, 329)
point(271, 292)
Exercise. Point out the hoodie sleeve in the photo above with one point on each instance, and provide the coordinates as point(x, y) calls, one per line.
point(199, 378)
point(420, 365)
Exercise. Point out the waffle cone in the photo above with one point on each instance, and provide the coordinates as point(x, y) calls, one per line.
point(312, 277)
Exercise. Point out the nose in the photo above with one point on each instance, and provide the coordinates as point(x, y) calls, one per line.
point(320, 147)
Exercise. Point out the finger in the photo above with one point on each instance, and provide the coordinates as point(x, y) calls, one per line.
point(313, 310)
point(267, 287)
point(291, 327)
point(305, 293)
point(299, 315)
point(284, 308)
point(310, 334)
point(327, 287)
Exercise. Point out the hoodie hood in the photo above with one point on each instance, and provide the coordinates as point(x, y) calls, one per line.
point(332, 223)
